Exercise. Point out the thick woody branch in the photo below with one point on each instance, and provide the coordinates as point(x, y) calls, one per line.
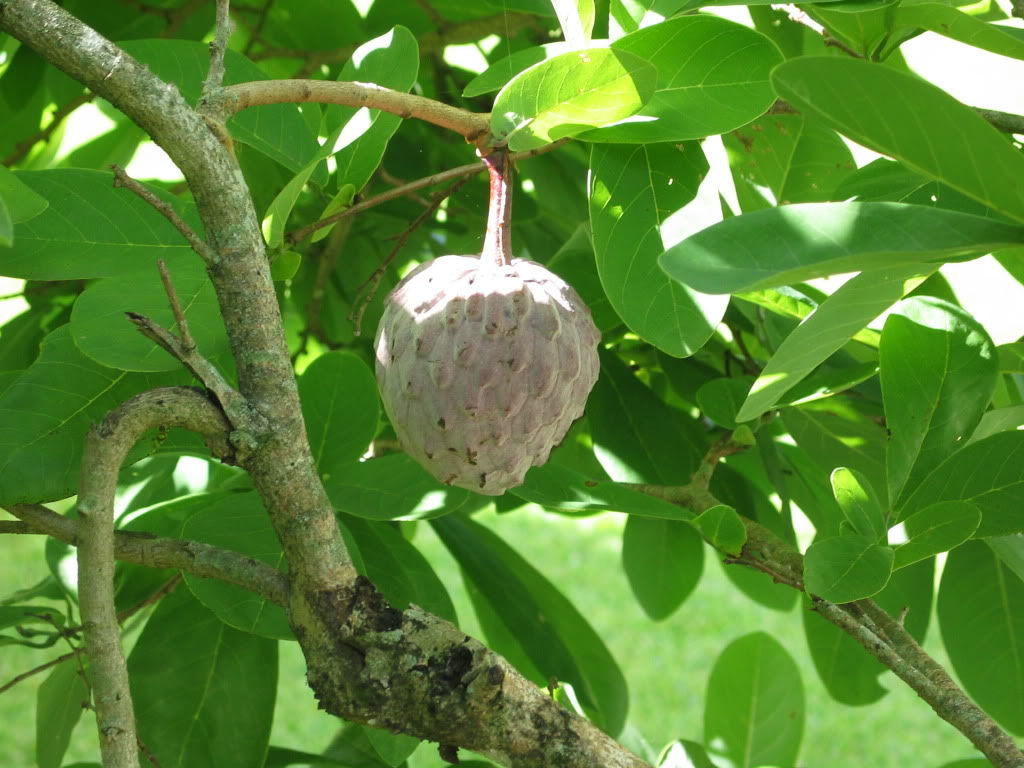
point(192, 557)
point(106, 447)
point(235, 98)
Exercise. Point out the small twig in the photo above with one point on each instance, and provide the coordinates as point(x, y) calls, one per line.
point(59, 116)
point(122, 179)
point(717, 452)
point(439, 21)
point(325, 268)
point(298, 235)
point(16, 527)
point(394, 181)
point(35, 671)
point(800, 17)
point(188, 344)
point(257, 28)
point(372, 283)
point(218, 47)
point(234, 404)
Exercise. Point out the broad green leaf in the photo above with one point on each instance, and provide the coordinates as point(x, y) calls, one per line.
point(833, 433)
point(46, 412)
point(574, 263)
point(998, 420)
point(987, 474)
point(21, 201)
point(397, 568)
point(557, 639)
point(981, 615)
point(239, 523)
point(685, 754)
point(723, 528)
point(712, 78)
point(754, 707)
point(859, 503)
point(849, 674)
point(663, 560)
point(503, 70)
point(952, 23)
point(634, 436)
point(276, 130)
point(633, 191)
point(930, 416)
point(60, 701)
point(282, 757)
point(1010, 550)
point(938, 528)
point(392, 748)
point(842, 569)
point(392, 487)
point(101, 330)
point(203, 692)
point(569, 94)
point(829, 381)
point(836, 320)
point(720, 399)
point(90, 229)
point(560, 487)
point(792, 243)
point(907, 118)
point(340, 407)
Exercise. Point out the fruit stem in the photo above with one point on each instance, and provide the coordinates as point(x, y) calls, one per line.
point(498, 239)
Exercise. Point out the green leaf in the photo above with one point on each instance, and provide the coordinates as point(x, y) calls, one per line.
point(569, 94)
point(340, 407)
point(503, 70)
point(239, 523)
point(6, 226)
point(937, 528)
point(723, 528)
point(91, 229)
point(981, 615)
point(563, 488)
point(950, 22)
point(683, 753)
point(60, 701)
point(930, 416)
point(987, 474)
point(21, 201)
point(1010, 550)
point(905, 117)
point(720, 399)
point(556, 638)
point(398, 569)
point(101, 330)
point(663, 560)
point(842, 569)
point(712, 77)
point(792, 243)
point(998, 420)
point(392, 487)
point(849, 674)
point(574, 263)
point(46, 412)
point(633, 190)
point(276, 130)
point(392, 748)
point(634, 437)
point(576, 17)
point(836, 320)
point(859, 503)
point(203, 692)
point(754, 707)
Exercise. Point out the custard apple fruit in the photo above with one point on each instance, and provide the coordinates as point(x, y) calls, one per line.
point(483, 367)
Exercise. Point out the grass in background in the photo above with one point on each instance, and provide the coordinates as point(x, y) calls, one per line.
point(666, 663)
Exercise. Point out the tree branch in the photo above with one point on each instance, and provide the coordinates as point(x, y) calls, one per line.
point(106, 447)
point(193, 557)
point(235, 98)
point(218, 47)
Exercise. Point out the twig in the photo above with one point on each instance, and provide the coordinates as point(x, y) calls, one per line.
point(218, 47)
point(257, 28)
point(372, 283)
point(439, 21)
point(717, 452)
point(471, 125)
point(297, 235)
point(188, 344)
point(325, 268)
point(193, 557)
point(22, 147)
point(233, 402)
point(122, 179)
point(35, 671)
point(800, 17)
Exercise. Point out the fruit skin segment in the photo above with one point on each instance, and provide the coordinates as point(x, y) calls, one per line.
point(483, 367)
